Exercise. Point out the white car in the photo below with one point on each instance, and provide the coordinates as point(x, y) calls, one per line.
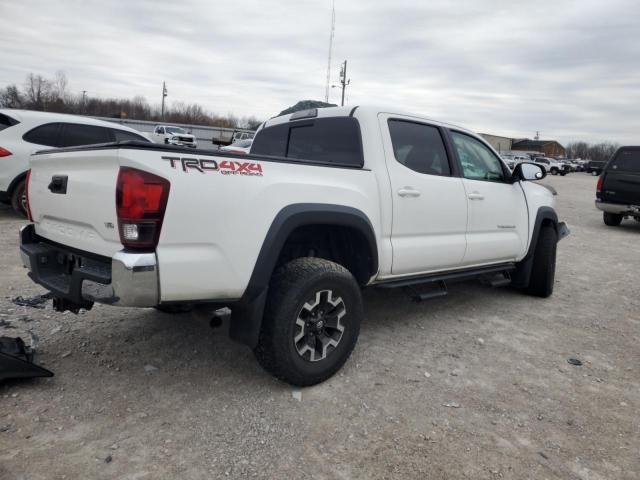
point(24, 131)
point(241, 147)
point(552, 166)
point(329, 201)
point(171, 135)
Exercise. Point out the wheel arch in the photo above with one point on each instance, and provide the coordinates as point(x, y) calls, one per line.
point(544, 216)
point(14, 183)
point(247, 313)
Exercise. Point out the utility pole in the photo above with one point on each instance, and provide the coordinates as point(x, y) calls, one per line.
point(164, 94)
point(333, 27)
point(84, 99)
point(537, 137)
point(343, 80)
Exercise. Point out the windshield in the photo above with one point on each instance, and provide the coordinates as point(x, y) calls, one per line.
point(175, 130)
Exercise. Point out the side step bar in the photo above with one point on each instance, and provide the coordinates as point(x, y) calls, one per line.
point(496, 276)
point(451, 276)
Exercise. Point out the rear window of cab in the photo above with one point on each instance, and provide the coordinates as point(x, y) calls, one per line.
point(334, 140)
point(626, 160)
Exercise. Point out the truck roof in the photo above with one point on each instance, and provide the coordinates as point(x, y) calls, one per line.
point(359, 111)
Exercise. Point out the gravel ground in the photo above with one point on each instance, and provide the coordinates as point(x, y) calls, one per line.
point(475, 385)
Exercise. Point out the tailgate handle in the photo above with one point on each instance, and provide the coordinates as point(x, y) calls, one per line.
point(59, 184)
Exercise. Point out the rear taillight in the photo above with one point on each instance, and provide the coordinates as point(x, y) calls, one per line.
point(4, 152)
point(141, 200)
point(599, 186)
point(26, 194)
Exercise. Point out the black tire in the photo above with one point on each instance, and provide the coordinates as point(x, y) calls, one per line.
point(612, 219)
point(175, 308)
point(290, 314)
point(563, 173)
point(554, 171)
point(544, 263)
point(18, 199)
point(594, 173)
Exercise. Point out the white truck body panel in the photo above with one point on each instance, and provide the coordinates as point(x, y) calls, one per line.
point(215, 222)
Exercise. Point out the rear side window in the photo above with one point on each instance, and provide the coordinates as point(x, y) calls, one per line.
point(329, 140)
point(44, 135)
point(419, 147)
point(74, 135)
point(122, 135)
point(6, 121)
point(626, 161)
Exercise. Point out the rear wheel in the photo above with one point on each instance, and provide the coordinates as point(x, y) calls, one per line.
point(544, 263)
point(311, 321)
point(594, 173)
point(612, 219)
point(19, 199)
point(554, 171)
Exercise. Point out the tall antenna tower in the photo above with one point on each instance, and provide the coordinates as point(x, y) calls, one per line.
point(333, 28)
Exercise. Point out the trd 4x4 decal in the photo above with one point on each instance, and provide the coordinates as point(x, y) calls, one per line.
point(225, 167)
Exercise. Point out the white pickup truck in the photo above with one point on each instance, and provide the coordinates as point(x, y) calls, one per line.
point(171, 135)
point(329, 201)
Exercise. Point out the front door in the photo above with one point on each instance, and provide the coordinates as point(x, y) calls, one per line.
point(429, 204)
point(497, 225)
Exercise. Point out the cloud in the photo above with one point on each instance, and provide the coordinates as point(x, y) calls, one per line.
point(565, 68)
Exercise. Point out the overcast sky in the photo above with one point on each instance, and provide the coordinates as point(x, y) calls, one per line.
point(569, 69)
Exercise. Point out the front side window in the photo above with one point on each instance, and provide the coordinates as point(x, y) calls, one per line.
point(74, 135)
point(419, 147)
point(478, 162)
point(333, 140)
point(175, 130)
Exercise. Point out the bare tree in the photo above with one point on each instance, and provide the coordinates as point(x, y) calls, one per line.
point(10, 97)
point(38, 91)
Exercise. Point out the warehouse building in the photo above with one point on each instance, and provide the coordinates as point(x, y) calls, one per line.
point(501, 144)
point(549, 148)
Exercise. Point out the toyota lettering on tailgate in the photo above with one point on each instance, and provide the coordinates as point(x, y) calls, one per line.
point(225, 167)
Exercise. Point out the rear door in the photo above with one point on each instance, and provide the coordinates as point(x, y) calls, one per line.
point(621, 182)
point(497, 221)
point(429, 203)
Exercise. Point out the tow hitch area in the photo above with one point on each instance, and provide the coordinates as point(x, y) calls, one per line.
point(62, 305)
point(16, 360)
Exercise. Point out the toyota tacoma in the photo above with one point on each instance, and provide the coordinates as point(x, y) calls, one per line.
point(328, 201)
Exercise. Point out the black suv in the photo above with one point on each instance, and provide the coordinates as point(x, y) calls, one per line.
point(618, 190)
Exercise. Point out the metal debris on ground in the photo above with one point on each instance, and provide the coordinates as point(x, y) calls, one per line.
point(16, 360)
point(37, 301)
point(574, 361)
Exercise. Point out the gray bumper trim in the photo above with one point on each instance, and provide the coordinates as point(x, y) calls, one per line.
point(618, 208)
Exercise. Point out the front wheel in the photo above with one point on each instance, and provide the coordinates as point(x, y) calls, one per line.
point(554, 171)
point(311, 321)
point(594, 173)
point(611, 219)
point(544, 263)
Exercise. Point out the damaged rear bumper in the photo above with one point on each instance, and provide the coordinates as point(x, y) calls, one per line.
point(128, 279)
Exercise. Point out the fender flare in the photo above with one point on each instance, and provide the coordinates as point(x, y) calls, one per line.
point(522, 275)
point(247, 312)
point(14, 182)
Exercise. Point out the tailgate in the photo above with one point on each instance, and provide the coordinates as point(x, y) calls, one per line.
point(621, 187)
point(72, 199)
point(621, 182)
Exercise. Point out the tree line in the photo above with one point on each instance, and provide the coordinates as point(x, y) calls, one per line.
point(53, 95)
point(600, 152)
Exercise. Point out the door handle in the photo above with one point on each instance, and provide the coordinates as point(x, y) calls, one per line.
point(408, 192)
point(475, 196)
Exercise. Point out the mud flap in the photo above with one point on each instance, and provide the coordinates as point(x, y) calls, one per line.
point(16, 360)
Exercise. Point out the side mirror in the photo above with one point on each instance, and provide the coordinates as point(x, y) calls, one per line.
point(529, 171)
